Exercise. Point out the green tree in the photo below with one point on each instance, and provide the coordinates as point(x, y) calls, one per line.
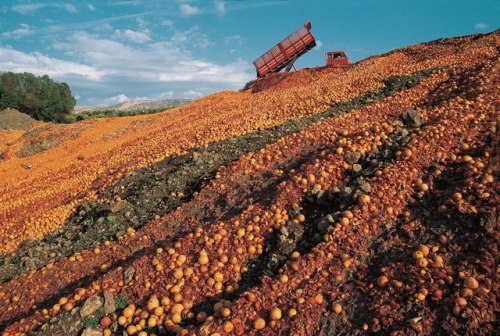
point(39, 96)
point(8, 91)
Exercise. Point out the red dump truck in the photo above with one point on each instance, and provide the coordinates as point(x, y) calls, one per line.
point(338, 57)
point(284, 54)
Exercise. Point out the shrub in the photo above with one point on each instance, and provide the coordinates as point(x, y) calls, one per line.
point(90, 322)
point(121, 301)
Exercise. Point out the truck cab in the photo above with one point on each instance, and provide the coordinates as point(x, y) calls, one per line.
point(337, 57)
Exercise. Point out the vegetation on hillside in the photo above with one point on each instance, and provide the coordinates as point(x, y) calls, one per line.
point(108, 113)
point(38, 96)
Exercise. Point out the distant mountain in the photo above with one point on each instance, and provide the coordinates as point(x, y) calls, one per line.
point(134, 105)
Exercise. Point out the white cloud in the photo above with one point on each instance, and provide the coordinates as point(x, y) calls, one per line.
point(191, 94)
point(166, 95)
point(234, 6)
point(91, 7)
point(133, 36)
point(17, 34)
point(191, 70)
point(233, 39)
point(142, 24)
point(188, 10)
point(69, 8)
point(167, 23)
point(480, 26)
point(183, 36)
point(205, 43)
point(319, 44)
point(220, 7)
point(121, 98)
point(105, 27)
point(155, 62)
point(127, 2)
point(27, 8)
point(39, 64)
point(193, 35)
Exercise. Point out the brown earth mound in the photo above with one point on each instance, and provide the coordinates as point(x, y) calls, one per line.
point(13, 119)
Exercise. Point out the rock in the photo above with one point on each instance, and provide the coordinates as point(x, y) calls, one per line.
point(90, 306)
point(310, 198)
point(352, 157)
point(29, 165)
point(274, 260)
point(412, 118)
point(360, 180)
point(196, 156)
point(128, 274)
point(357, 168)
point(117, 206)
point(28, 263)
point(347, 191)
point(103, 209)
point(30, 243)
point(332, 192)
point(160, 241)
point(404, 133)
point(329, 325)
point(488, 221)
point(323, 225)
point(109, 303)
point(288, 236)
point(316, 190)
point(320, 197)
point(162, 331)
point(398, 123)
point(91, 332)
point(137, 248)
point(366, 187)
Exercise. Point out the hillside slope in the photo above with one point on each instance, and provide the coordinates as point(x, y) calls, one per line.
point(329, 203)
point(136, 105)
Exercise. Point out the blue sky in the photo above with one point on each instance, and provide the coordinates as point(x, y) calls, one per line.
point(111, 51)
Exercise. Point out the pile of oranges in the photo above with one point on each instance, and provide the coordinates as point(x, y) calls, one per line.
point(210, 259)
